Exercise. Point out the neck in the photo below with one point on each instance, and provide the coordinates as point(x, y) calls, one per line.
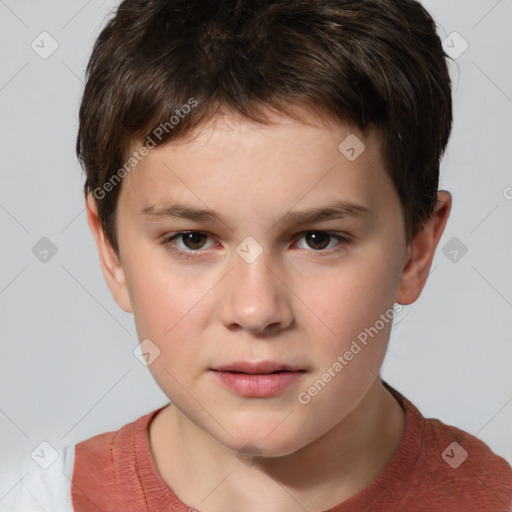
point(319, 476)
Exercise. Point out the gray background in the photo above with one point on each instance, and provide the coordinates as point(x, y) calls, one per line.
point(67, 370)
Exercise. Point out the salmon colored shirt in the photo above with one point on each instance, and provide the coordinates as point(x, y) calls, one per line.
point(115, 472)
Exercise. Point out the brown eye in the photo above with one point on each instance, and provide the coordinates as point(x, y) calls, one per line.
point(194, 239)
point(317, 239)
point(188, 241)
point(320, 240)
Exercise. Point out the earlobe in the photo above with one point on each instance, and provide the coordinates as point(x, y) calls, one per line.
point(421, 251)
point(109, 260)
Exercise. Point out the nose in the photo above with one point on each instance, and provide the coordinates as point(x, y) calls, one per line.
point(257, 298)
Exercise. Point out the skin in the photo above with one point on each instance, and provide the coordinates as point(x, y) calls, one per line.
point(296, 303)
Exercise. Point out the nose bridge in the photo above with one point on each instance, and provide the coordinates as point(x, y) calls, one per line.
point(256, 297)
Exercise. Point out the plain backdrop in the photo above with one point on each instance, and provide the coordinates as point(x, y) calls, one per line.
point(68, 371)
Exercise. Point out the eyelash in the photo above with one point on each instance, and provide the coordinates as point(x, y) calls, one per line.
point(188, 254)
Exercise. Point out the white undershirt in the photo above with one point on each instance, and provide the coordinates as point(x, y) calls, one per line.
point(43, 490)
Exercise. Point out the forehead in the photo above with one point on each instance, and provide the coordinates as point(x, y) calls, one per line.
point(229, 128)
point(287, 159)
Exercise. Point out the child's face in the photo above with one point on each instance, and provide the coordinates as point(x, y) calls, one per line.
point(302, 302)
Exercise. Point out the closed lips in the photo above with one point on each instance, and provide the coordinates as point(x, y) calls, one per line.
point(261, 368)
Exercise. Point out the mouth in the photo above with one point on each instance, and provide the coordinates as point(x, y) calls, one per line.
point(260, 368)
point(257, 380)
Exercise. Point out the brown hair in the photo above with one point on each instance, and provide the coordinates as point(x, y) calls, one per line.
point(160, 68)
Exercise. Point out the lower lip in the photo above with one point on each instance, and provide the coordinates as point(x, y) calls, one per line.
point(258, 386)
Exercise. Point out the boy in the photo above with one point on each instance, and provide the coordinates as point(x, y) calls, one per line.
point(262, 188)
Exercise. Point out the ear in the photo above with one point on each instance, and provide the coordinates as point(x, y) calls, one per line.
point(421, 251)
point(109, 261)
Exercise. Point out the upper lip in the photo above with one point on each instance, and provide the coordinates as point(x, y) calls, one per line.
point(263, 367)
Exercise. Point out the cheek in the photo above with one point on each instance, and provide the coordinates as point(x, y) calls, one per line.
point(155, 305)
point(346, 306)
point(351, 297)
point(161, 300)
point(173, 310)
point(166, 312)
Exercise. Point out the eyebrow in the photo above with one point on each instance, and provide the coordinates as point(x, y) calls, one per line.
point(336, 210)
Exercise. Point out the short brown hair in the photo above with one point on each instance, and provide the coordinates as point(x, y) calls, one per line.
point(362, 62)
